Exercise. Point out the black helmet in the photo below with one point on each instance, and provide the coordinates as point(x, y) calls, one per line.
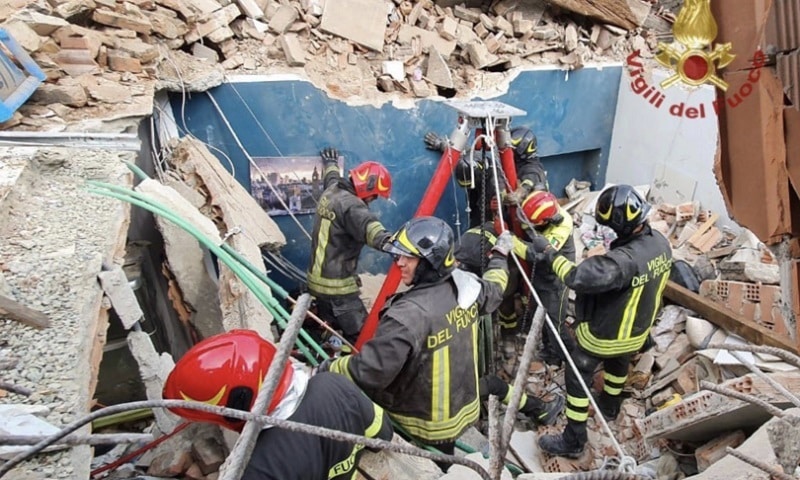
point(622, 209)
point(464, 173)
point(429, 238)
point(524, 143)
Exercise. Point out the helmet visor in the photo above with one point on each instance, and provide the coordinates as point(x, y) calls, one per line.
point(400, 244)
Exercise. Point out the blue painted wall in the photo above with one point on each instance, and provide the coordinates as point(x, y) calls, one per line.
point(572, 116)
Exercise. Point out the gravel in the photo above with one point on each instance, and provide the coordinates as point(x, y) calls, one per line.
point(54, 238)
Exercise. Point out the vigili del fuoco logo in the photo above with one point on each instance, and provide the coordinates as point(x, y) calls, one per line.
point(694, 60)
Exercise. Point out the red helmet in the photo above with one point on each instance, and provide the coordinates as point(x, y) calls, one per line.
point(540, 207)
point(224, 370)
point(371, 179)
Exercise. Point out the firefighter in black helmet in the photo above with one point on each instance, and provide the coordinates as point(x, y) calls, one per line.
point(421, 365)
point(531, 175)
point(617, 297)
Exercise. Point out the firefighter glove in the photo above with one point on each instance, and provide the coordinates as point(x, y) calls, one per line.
point(325, 366)
point(516, 197)
point(435, 142)
point(540, 244)
point(329, 155)
point(504, 243)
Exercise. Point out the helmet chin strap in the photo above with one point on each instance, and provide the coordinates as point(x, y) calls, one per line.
point(294, 394)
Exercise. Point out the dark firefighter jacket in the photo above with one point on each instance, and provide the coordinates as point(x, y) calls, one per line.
point(421, 366)
point(618, 294)
point(330, 401)
point(530, 174)
point(472, 249)
point(343, 225)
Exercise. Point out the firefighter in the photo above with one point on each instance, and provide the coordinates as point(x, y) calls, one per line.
point(542, 212)
point(617, 297)
point(475, 176)
point(421, 365)
point(228, 369)
point(343, 225)
point(472, 255)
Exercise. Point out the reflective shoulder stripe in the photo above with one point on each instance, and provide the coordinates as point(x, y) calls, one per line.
point(498, 276)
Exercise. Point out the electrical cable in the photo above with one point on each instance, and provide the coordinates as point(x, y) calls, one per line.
point(254, 164)
point(243, 274)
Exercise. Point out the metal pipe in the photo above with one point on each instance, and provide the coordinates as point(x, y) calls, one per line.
point(430, 199)
point(234, 465)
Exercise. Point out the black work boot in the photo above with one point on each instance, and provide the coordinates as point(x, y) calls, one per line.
point(568, 444)
point(548, 412)
point(609, 405)
point(550, 357)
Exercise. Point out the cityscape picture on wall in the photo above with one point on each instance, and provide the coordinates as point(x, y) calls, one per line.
point(287, 184)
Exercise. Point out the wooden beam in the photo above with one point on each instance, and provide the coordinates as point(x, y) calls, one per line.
point(727, 319)
point(19, 312)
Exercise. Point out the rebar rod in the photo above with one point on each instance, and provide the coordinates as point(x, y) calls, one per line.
point(774, 472)
point(234, 465)
point(247, 416)
point(773, 383)
point(495, 437)
point(771, 409)
point(93, 439)
point(784, 355)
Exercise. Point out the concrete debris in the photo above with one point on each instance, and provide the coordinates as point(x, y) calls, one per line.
point(149, 41)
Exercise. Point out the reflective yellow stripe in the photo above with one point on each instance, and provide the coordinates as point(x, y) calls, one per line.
point(340, 366)
point(373, 229)
point(577, 416)
point(377, 422)
point(440, 385)
point(577, 408)
point(629, 315)
point(608, 348)
point(498, 276)
point(447, 429)
point(613, 384)
point(347, 464)
point(562, 266)
point(510, 393)
point(322, 243)
point(577, 402)
point(520, 249)
point(486, 233)
point(660, 291)
point(330, 168)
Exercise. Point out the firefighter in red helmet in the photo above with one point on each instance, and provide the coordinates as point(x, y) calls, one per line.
point(544, 220)
point(228, 369)
point(343, 225)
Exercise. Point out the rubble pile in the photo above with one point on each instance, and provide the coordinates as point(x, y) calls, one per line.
point(112, 55)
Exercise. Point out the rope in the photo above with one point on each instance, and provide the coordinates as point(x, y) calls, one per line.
point(253, 163)
point(626, 461)
point(149, 446)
